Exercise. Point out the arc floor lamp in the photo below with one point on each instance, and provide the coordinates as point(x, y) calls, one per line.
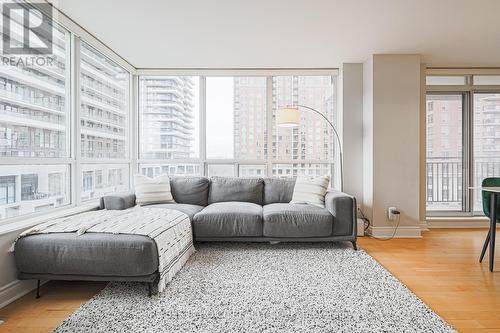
point(290, 117)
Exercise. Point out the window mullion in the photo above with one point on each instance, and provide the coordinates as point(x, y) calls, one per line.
point(469, 139)
point(75, 106)
point(269, 125)
point(203, 125)
point(133, 127)
point(77, 169)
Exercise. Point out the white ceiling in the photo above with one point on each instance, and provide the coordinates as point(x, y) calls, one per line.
point(291, 33)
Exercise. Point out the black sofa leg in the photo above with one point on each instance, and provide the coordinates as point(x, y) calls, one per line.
point(150, 289)
point(37, 289)
point(354, 245)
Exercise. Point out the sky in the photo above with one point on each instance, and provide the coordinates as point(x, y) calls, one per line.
point(220, 127)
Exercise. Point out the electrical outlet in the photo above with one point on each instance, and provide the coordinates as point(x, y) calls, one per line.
point(358, 209)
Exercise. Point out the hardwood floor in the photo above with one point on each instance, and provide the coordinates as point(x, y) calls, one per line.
point(441, 268)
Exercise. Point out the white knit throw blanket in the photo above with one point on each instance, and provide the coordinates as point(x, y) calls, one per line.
point(170, 229)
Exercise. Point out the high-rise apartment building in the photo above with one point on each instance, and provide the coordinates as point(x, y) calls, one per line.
point(313, 139)
point(294, 144)
point(167, 116)
point(103, 123)
point(34, 123)
point(250, 134)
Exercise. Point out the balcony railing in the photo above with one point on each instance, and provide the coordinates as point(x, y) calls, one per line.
point(445, 183)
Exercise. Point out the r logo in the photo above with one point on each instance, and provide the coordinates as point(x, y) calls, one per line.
point(26, 30)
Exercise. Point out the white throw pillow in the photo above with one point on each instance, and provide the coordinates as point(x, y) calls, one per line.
point(310, 191)
point(152, 190)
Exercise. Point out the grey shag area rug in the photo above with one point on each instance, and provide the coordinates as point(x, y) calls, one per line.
point(292, 287)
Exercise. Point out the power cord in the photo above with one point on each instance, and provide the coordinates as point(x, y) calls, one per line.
point(365, 220)
point(368, 223)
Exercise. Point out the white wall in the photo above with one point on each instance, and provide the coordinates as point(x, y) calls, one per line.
point(392, 133)
point(352, 128)
point(368, 139)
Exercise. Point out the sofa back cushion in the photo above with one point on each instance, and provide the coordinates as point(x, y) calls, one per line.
point(190, 190)
point(223, 189)
point(278, 190)
point(150, 191)
point(310, 191)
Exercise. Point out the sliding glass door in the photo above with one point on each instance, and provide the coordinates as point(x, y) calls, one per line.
point(486, 140)
point(462, 140)
point(446, 165)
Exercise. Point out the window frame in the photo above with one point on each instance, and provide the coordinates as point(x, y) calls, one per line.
point(73, 160)
point(269, 162)
point(469, 90)
point(465, 155)
point(77, 122)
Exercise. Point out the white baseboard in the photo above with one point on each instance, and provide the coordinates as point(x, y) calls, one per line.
point(454, 224)
point(424, 226)
point(402, 232)
point(14, 290)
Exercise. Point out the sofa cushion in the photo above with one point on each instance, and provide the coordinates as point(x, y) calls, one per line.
point(118, 201)
point(224, 189)
point(296, 220)
point(310, 191)
point(278, 190)
point(190, 190)
point(152, 190)
point(228, 219)
point(189, 210)
point(88, 254)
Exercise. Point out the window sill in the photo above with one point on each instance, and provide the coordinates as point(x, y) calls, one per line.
point(32, 221)
point(457, 218)
point(458, 222)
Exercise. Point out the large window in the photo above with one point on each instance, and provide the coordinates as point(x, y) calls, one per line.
point(486, 145)
point(27, 188)
point(34, 129)
point(236, 118)
point(40, 121)
point(169, 117)
point(169, 124)
point(462, 141)
point(313, 139)
point(237, 136)
point(104, 119)
point(445, 181)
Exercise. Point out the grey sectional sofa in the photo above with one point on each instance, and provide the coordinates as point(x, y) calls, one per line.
point(221, 209)
point(254, 209)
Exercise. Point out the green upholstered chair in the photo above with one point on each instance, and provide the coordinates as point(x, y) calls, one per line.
point(489, 182)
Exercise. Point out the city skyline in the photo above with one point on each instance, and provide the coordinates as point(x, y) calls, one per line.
point(236, 120)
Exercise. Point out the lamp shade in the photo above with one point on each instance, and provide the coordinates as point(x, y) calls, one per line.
point(288, 117)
